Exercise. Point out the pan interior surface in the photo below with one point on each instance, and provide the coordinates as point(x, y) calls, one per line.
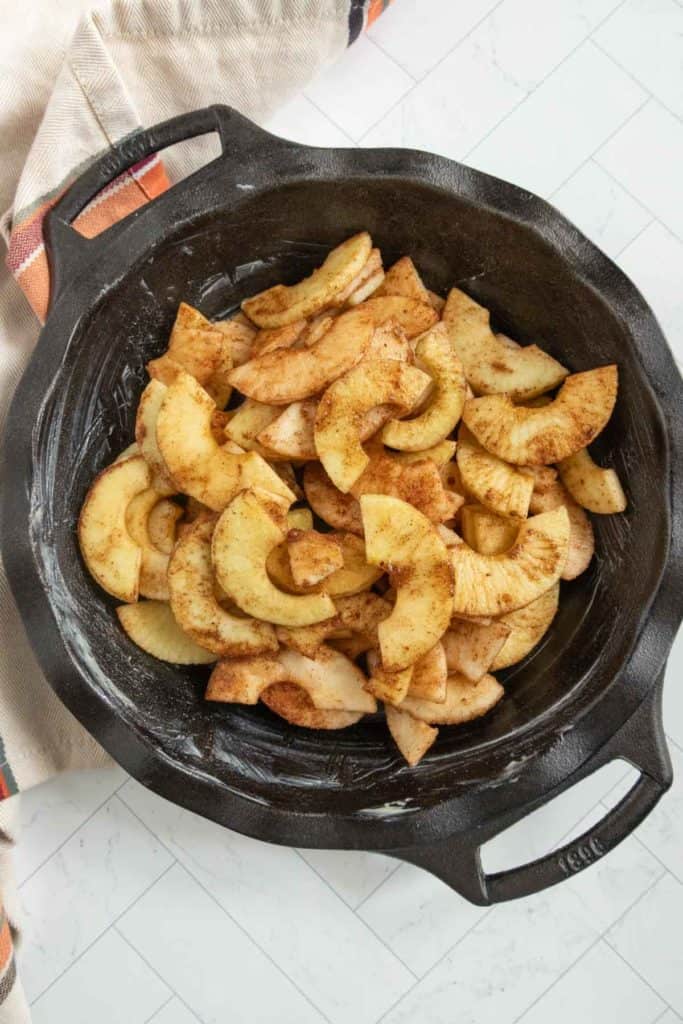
point(536, 294)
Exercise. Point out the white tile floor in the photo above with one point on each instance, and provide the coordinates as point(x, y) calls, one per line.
point(164, 917)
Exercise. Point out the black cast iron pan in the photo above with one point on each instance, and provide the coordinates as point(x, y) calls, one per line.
point(267, 210)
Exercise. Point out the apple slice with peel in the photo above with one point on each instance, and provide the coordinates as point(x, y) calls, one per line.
point(412, 737)
point(493, 365)
point(433, 425)
point(599, 490)
point(496, 584)
point(152, 626)
point(292, 703)
point(366, 281)
point(471, 648)
point(193, 600)
point(249, 529)
point(331, 681)
point(527, 627)
point(402, 541)
point(496, 484)
point(288, 375)
point(551, 433)
point(342, 408)
point(464, 701)
point(282, 304)
point(111, 555)
point(197, 464)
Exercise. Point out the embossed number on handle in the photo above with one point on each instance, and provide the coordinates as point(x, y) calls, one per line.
point(578, 857)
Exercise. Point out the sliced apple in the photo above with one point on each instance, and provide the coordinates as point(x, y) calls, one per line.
point(412, 737)
point(162, 524)
point(197, 464)
point(366, 281)
point(340, 511)
point(290, 433)
point(387, 686)
point(402, 541)
point(486, 532)
point(354, 577)
point(471, 648)
point(357, 615)
point(152, 626)
point(194, 604)
point(433, 425)
point(581, 540)
point(288, 375)
point(413, 316)
point(247, 422)
point(331, 681)
point(313, 556)
point(496, 584)
point(269, 339)
point(111, 555)
point(132, 449)
point(464, 702)
point(403, 279)
point(599, 490)
point(342, 408)
point(527, 627)
point(292, 703)
point(240, 336)
point(440, 454)
point(318, 326)
point(430, 673)
point(249, 529)
point(493, 482)
point(300, 519)
point(194, 346)
point(419, 483)
point(389, 341)
point(146, 436)
point(491, 363)
point(282, 304)
point(551, 433)
point(436, 302)
point(154, 563)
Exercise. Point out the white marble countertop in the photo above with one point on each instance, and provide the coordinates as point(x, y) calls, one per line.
point(136, 910)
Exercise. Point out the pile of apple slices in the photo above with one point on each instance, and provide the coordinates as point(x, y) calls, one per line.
point(317, 502)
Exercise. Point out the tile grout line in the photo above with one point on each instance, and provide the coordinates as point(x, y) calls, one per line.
point(378, 46)
point(586, 39)
point(61, 846)
point(171, 996)
point(628, 192)
point(641, 842)
point(230, 917)
point(330, 119)
point(379, 886)
point(593, 154)
point(154, 971)
point(100, 934)
point(667, 1004)
point(599, 938)
point(356, 915)
point(432, 69)
point(653, 220)
point(622, 67)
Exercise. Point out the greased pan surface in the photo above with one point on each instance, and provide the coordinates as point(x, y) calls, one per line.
point(268, 211)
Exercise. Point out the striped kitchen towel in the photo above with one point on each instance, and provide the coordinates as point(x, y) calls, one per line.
point(130, 63)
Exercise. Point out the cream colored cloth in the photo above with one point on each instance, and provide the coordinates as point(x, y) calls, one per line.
point(64, 100)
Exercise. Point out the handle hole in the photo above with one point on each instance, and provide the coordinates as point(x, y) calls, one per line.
point(557, 821)
point(144, 181)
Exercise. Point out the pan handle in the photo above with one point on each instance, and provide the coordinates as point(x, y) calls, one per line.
point(640, 741)
point(67, 250)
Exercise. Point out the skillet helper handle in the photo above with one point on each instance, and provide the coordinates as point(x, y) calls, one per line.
point(640, 741)
point(67, 250)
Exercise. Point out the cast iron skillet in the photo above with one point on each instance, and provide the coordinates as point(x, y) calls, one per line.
point(267, 210)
